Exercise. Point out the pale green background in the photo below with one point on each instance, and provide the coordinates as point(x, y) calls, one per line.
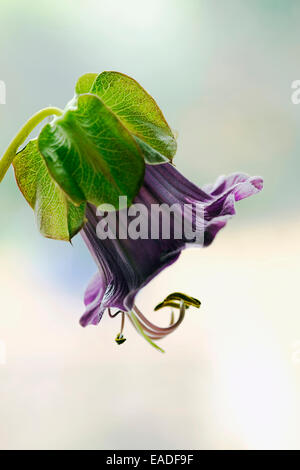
point(222, 73)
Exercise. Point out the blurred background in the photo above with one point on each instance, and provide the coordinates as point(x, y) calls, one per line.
point(230, 379)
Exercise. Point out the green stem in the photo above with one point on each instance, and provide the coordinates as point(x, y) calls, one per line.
point(141, 331)
point(22, 135)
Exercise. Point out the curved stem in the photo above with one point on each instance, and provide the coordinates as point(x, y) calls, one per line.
point(139, 328)
point(22, 135)
point(159, 329)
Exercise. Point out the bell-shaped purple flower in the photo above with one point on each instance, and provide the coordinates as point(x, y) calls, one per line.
point(126, 263)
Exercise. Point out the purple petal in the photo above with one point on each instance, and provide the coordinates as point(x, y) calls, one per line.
point(125, 266)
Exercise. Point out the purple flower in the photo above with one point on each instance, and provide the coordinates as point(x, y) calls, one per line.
point(126, 265)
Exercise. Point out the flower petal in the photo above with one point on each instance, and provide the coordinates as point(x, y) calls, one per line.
point(127, 265)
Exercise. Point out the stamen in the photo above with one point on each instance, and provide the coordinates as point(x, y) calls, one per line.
point(113, 315)
point(169, 303)
point(139, 328)
point(186, 298)
point(149, 330)
point(120, 337)
point(159, 329)
point(152, 334)
point(122, 322)
point(177, 296)
point(172, 317)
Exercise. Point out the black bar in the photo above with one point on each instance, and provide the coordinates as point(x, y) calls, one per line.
point(159, 458)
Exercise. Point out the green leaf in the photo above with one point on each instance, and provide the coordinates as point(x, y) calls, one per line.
point(85, 83)
point(55, 215)
point(91, 155)
point(138, 112)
